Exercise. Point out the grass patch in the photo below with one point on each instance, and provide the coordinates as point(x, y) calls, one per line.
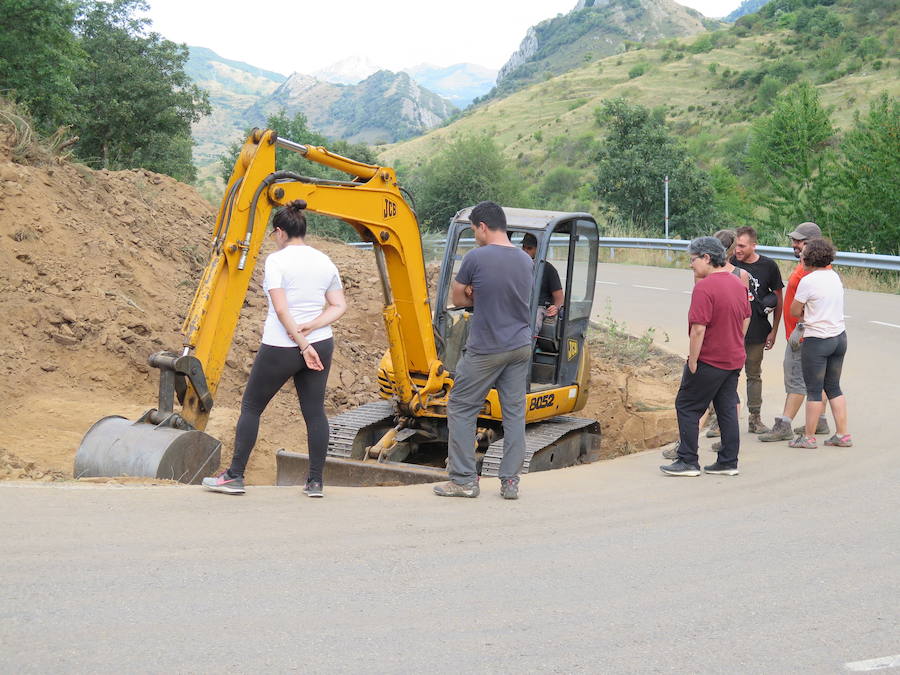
point(613, 342)
point(27, 146)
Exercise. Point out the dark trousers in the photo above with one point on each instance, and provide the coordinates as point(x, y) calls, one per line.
point(697, 390)
point(273, 367)
point(823, 360)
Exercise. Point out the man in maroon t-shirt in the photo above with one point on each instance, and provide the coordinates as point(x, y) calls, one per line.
point(717, 321)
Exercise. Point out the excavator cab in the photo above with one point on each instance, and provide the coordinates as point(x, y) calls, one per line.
point(567, 243)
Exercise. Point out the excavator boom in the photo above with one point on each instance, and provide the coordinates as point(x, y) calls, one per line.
point(371, 202)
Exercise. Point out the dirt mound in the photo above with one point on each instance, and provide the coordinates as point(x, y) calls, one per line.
point(97, 269)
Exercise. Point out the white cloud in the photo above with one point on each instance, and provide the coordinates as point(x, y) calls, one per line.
point(305, 36)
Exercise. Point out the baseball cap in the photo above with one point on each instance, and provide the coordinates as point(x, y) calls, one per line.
point(806, 231)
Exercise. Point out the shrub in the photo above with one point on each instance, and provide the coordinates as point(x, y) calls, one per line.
point(637, 70)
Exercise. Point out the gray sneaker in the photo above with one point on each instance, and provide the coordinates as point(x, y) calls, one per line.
point(313, 488)
point(781, 431)
point(671, 452)
point(822, 428)
point(716, 446)
point(451, 489)
point(679, 468)
point(224, 483)
point(509, 488)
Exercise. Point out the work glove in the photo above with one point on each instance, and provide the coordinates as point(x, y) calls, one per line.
point(796, 336)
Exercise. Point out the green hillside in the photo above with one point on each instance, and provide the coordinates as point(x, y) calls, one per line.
point(593, 30)
point(711, 89)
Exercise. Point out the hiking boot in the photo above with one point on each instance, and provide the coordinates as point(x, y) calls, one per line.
point(679, 468)
point(313, 488)
point(671, 452)
point(840, 441)
point(225, 483)
point(755, 425)
point(805, 442)
point(713, 430)
point(716, 446)
point(721, 470)
point(509, 488)
point(451, 489)
point(781, 431)
point(821, 428)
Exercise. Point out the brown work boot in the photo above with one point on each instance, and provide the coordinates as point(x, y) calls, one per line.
point(821, 427)
point(781, 431)
point(756, 426)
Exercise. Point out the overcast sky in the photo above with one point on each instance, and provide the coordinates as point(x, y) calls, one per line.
point(306, 35)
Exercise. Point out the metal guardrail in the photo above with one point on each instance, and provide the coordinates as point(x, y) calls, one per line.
point(873, 261)
point(845, 258)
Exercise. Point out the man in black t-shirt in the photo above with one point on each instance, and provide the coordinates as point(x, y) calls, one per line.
point(765, 287)
point(551, 295)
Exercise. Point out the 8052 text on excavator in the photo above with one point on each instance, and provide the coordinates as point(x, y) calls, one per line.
point(401, 438)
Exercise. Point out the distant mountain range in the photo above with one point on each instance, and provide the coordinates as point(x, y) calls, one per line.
point(746, 7)
point(383, 108)
point(460, 83)
point(352, 99)
point(352, 70)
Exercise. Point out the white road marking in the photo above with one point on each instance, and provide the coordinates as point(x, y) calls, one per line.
point(881, 663)
point(882, 323)
point(609, 283)
point(688, 292)
point(652, 288)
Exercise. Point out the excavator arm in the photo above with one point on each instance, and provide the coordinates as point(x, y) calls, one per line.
point(371, 202)
point(166, 443)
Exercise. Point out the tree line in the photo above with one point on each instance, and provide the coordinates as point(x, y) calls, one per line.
point(93, 68)
point(793, 167)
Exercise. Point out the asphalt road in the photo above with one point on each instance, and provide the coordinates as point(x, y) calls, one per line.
point(793, 566)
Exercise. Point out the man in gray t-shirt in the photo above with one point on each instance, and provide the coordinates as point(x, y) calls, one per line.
point(496, 279)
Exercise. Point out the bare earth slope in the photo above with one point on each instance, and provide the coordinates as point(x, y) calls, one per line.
point(97, 269)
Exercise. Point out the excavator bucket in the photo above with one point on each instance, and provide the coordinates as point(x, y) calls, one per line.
point(292, 468)
point(115, 446)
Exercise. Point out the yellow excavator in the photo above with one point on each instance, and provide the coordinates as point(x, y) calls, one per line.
point(401, 438)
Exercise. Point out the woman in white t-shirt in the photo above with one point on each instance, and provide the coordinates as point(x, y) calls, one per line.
point(819, 303)
point(305, 298)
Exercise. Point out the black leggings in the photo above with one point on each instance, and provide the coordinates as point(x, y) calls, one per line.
point(273, 367)
point(823, 360)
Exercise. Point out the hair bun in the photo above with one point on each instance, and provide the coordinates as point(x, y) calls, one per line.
point(297, 205)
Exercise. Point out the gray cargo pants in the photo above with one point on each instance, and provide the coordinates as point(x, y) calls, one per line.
point(475, 375)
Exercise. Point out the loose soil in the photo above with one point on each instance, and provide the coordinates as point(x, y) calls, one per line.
point(97, 269)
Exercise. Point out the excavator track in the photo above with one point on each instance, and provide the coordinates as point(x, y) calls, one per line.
point(552, 444)
point(346, 427)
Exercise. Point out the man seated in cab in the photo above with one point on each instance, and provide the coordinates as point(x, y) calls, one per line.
point(551, 296)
